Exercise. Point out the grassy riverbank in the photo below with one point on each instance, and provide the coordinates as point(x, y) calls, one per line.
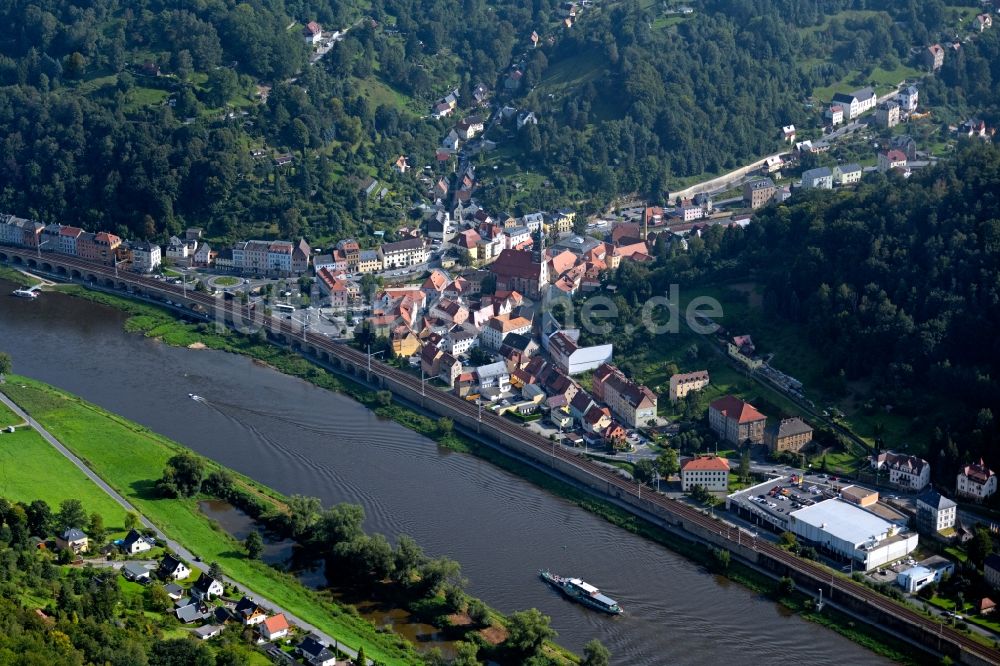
point(130, 458)
point(15, 276)
point(157, 322)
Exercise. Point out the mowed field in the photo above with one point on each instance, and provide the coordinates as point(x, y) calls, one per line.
point(30, 469)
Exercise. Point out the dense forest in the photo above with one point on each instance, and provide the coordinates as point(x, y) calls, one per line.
point(896, 282)
point(647, 104)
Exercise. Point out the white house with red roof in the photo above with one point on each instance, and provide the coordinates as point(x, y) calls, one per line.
point(312, 33)
point(709, 472)
point(274, 627)
point(891, 159)
point(976, 481)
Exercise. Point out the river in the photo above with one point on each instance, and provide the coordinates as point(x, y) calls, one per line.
point(297, 438)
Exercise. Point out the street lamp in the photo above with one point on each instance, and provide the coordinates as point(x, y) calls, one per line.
point(370, 357)
point(38, 247)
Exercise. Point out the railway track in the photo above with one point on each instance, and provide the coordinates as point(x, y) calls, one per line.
point(616, 485)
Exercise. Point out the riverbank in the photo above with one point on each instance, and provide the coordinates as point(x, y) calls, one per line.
point(157, 323)
point(131, 458)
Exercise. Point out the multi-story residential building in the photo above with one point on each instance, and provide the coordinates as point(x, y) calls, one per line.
point(759, 192)
point(494, 375)
point(633, 404)
point(935, 512)
point(146, 256)
point(516, 237)
point(904, 470)
point(279, 258)
point(178, 250)
point(20, 232)
point(855, 103)
point(847, 174)
point(933, 57)
point(301, 255)
point(498, 328)
point(369, 261)
point(891, 159)
point(887, 114)
point(401, 254)
point(742, 349)
point(788, 435)
point(835, 114)
point(736, 421)
point(683, 383)
point(101, 247)
point(67, 241)
point(820, 178)
point(351, 251)
point(909, 99)
point(976, 481)
point(312, 33)
point(709, 472)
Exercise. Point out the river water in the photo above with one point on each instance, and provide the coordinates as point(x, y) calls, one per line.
point(297, 438)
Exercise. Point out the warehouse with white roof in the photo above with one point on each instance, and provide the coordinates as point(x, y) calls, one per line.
point(853, 533)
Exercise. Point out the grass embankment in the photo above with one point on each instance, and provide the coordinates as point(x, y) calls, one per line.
point(17, 277)
point(130, 458)
point(156, 322)
point(8, 418)
point(30, 469)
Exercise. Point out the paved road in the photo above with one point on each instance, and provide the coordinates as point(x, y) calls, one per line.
point(173, 545)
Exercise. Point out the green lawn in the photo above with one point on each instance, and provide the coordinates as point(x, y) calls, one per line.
point(882, 80)
point(30, 469)
point(225, 281)
point(130, 458)
point(8, 417)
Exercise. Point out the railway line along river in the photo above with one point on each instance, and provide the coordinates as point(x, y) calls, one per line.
point(298, 438)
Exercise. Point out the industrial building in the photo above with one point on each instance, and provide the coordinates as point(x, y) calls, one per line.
point(852, 533)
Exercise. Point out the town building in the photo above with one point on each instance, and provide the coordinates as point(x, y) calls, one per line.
point(633, 404)
point(916, 578)
point(855, 103)
point(572, 359)
point(983, 22)
point(933, 57)
point(249, 612)
point(909, 99)
point(314, 652)
point(683, 383)
point(887, 114)
point(736, 421)
point(369, 261)
point(820, 178)
point(742, 349)
point(835, 114)
point(904, 470)
point(935, 512)
point(146, 256)
point(891, 159)
point(859, 495)
point(499, 327)
point(207, 587)
point(101, 247)
point(865, 539)
point(847, 174)
point(709, 472)
point(523, 271)
point(759, 192)
point(976, 481)
point(494, 375)
point(788, 435)
point(136, 572)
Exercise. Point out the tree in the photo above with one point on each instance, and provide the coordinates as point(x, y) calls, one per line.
point(215, 571)
point(74, 65)
point(183, 476)
point(785, 586)
point(39, 516)
point(644, 470)
point(6, 366)
point(979, 546)
point(361, 660)
point(180, 652)
point(157, 600)
point(744, 468)
point(407, 558)
point(466, 654)
point(384, 398)
point(595, 654)
point(254, 545)
point(478, 612)
point(96, 530)
point(303, 514)
point(527, 631)
point(788, 540)
point(71, 514)
point(445, 426)
point(667, 464)
point(131, 521)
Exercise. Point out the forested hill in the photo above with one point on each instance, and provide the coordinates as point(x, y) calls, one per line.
point(634, 98)
point(897, 285)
